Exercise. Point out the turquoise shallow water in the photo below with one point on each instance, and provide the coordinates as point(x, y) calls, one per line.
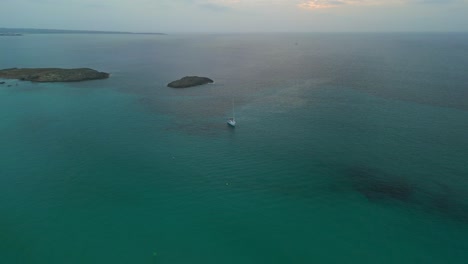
point(350, 148)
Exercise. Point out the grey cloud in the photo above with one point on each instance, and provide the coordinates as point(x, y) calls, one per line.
point(215, 7)
point(435, 1)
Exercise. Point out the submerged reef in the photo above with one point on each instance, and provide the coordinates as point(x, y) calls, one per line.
point(431, 197)
point(376, 185)
point(189, 81)
point(445, 200)
point(53, 74)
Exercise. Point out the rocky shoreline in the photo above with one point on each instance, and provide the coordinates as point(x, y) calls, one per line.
point(52, 74)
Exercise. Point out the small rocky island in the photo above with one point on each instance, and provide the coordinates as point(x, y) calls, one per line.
point(53, 74)
point(189, 81)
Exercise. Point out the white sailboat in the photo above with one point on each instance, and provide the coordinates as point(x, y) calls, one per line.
point(232, 121)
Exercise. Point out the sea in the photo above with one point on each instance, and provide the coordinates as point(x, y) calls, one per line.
point(349, 148)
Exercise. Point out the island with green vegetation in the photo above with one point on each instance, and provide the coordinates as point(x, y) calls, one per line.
point(52, 74)
point(189, 81)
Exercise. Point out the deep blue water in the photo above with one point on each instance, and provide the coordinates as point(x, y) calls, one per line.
point(350, 148)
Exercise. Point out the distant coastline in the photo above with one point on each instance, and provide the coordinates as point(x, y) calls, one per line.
point(21, 31)
point(10, 34)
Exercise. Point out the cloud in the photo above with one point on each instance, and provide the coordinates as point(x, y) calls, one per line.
point(215, 7)
point(320, 4)
point(210, 5)
point(434, 1)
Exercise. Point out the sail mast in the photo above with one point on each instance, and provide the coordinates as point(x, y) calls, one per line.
point(233, 117)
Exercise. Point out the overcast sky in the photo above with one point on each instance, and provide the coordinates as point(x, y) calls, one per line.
point(237, 15)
